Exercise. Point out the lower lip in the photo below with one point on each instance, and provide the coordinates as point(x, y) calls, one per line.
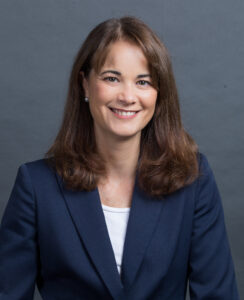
point(124, 117)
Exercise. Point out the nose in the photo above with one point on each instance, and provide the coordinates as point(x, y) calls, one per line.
point(127, 94)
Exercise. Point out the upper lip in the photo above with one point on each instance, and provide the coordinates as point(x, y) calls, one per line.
point(124, 109)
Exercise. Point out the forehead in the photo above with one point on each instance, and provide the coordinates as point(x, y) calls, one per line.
point(121, 54)
point(125, 50)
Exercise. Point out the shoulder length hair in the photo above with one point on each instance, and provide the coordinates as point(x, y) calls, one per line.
point(168, 154)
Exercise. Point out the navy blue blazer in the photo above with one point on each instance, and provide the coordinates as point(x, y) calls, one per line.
point(58, 239)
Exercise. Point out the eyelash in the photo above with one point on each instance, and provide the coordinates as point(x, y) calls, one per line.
point(109, 77)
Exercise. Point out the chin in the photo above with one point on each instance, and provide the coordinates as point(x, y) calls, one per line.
point(127, 135)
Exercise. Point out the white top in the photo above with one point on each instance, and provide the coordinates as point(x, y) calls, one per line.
point(116, 220)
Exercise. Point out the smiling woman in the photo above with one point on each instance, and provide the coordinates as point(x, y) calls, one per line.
point(125, 71)
point(123, 206)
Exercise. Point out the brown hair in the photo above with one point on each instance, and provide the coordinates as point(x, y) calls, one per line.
point(168, 155)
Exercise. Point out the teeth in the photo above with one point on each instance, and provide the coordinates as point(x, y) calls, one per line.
point(123, 113)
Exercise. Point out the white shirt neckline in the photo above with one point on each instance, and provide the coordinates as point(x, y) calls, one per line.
point(115, 209)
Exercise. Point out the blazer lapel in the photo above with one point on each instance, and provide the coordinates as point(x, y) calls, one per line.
point(147, 215)
point(143, 219)
point(86, 212)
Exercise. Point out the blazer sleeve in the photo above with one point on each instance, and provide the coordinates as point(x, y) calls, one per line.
point(211, 269)
point(18, 251)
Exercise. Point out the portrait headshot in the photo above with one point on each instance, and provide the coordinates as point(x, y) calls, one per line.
point(121, 151)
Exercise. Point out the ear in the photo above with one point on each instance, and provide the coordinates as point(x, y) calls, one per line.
point(84, 84)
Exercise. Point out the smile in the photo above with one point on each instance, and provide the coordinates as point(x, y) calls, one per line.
point(123, 114)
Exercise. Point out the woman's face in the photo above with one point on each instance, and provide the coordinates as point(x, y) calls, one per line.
point(121, 97)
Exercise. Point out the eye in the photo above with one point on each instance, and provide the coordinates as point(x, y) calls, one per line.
point(144, 82)
point(110, 78)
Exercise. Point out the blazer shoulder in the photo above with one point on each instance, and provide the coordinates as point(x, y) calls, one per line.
point(203, 163)
point(39, 168)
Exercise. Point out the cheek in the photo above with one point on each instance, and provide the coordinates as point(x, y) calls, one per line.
point(150, 100)
point(100, 92)
point(99, 96)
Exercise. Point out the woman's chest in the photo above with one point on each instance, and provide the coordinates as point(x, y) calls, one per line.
point(116, 195)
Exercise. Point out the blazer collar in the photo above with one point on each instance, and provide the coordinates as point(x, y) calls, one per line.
point(86, 212)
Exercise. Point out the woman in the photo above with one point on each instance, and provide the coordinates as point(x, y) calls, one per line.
point(121, 155)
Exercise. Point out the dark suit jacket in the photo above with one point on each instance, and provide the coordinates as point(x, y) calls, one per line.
point(58, 238)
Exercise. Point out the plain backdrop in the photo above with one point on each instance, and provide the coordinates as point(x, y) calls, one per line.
point(39, 40)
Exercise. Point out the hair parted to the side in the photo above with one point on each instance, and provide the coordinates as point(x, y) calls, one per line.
point(168, 154)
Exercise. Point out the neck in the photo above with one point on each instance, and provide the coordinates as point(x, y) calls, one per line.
point(120, 154)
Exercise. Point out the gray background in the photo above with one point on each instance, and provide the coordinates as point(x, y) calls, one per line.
point(39, 40)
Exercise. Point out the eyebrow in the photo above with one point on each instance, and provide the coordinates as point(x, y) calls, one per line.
point(119, 74)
